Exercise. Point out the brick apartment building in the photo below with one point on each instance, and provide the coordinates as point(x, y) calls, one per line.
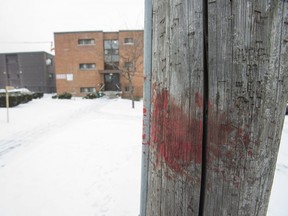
point(32, 70)
point(95, 60)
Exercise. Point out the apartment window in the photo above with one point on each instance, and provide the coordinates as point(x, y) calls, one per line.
point(111, 54)
point(87, 66)
point(88, 90)
point(128, 41)
point(127, 88)
point(128, 65)
point(86, 42)
point(111, 44)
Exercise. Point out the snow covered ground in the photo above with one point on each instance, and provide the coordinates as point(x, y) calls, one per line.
point(71, 157)
point(83, 158)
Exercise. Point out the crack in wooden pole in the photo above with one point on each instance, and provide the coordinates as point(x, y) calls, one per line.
point(205, 106)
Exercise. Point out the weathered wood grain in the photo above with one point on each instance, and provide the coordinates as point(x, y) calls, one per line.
point(176, 117)
point(248, 92)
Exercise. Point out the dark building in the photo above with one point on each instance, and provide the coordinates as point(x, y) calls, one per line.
point(31, 70)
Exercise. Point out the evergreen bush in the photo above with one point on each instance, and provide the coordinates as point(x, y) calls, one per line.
point(65, 95)
point(38, 95)
point(18, 96)
point(54, 96)
point(14, 100)
point(25, 98)
point(91, 96)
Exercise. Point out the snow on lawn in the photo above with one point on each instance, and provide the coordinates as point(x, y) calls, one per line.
point(83, 158)
point(71, 157)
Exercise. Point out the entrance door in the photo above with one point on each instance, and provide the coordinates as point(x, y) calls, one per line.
point(112, 82)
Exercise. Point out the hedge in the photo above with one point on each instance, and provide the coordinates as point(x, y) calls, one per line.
point(18, 97)
point(64, 95)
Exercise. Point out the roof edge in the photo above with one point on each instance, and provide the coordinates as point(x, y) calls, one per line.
point(25, 52)
point(99, 31)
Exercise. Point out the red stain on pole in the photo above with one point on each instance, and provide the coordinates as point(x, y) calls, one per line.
point(144, 111)
point(176, 137)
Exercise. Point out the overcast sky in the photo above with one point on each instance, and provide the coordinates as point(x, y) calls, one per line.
point(28, 25)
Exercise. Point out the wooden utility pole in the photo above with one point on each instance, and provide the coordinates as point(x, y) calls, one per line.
point(219, 88)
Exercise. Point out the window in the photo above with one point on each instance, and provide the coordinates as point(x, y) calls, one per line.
point(128, 41)
point(87, 66)
point(128, 66)
point(127, 88)
point(111, 44)
point(88, 90)
point(86, 42)
point(111, 54)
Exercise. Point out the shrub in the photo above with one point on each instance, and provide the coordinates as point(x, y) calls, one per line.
point(38, 95)
point(3, 100)
point(18, 96)
point(14, 100)
point(25, 98)
point(65, 95)
point(54, 97)
point(91, 96)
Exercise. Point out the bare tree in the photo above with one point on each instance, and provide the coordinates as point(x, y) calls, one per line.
point(131, 60)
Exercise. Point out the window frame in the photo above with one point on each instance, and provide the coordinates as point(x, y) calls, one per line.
point(128, 65)
point(86, 44)
point(111, 54)
point(88, 90)
point(129, 41)
point(87, 66)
